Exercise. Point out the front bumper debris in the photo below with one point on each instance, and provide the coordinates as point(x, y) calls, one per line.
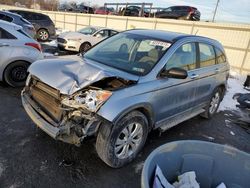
point(68, 132)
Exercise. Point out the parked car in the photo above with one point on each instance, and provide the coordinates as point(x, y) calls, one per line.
point(17, 51)
point(85, 9)
point(45, 28)
point(180, 12)
point(126, 86)
point(83, 39)
point(105, 10)
point(19, 20)
point(134, 11)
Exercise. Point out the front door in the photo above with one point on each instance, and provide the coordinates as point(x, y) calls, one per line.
point(177, 95)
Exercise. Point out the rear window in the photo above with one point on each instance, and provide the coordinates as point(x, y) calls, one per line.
point(5, 34)
point(6, 18)
point(220, 56)
point(23, 33)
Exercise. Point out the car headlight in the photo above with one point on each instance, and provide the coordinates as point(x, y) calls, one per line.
point(91, 99)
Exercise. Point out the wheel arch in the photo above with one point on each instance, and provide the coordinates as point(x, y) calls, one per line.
point(144, 108)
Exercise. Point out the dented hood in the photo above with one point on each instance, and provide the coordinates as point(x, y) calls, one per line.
point(69, 75)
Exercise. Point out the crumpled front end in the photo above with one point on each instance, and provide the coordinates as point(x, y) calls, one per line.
point(60, 116)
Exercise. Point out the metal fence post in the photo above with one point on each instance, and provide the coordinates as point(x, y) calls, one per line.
point(89, 19)
point(76, 23)
point(155, 24)
point(64, 21)
point(192, 28)
point(106, 21)
point(126, 27)
point(245, 56)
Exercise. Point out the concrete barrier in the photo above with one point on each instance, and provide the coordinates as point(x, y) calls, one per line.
point(234, 37)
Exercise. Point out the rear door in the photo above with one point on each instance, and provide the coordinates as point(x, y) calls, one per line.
point(208, 72)
point(177, 95)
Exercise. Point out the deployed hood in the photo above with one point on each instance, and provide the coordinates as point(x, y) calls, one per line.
point(71, 75)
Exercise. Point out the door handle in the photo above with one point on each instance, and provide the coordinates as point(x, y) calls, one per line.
point(3, 45)
point(194, 76)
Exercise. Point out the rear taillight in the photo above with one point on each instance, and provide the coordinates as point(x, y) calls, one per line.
point(34, 45)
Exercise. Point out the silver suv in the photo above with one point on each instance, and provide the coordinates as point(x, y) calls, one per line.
point(124, 87)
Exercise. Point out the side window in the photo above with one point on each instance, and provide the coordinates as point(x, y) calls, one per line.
point(220, 56)
point(207, 55)
point(112, 32)
point(167, 10)
point(5, 35)
point(184, 57)
point(5, 18)
point(104, 33)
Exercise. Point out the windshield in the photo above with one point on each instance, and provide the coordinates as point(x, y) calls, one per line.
point(87, 30)
point(132, 53)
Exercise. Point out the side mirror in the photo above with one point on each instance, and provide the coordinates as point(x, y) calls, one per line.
point(174, 72)
point(98, 35)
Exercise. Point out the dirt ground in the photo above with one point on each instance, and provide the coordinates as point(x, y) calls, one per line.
point(30, 158)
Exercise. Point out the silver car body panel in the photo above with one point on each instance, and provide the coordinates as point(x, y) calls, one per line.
point(12, 50)
point(163, 99)
point(73, 74)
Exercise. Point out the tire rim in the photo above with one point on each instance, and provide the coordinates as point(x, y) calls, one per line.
point(214, 103)
point(43, 35)
point(18, 74)
point(128, 141)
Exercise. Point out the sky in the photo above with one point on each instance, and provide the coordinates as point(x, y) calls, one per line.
point(228, 10)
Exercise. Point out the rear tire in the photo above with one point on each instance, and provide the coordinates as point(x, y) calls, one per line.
point(43, 35)
point(119, 144)
point(16, 73)
point(214, 104)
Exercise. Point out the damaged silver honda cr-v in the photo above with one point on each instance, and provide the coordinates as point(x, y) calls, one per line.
point(124, 87)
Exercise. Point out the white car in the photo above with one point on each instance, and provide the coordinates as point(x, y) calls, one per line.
point(17, 51)
point(83, 39)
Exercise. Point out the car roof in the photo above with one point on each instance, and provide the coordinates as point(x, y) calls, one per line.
point(158, 34)
point(30, 12)
point(8, 13)
point(172, 36)
point(165, 35)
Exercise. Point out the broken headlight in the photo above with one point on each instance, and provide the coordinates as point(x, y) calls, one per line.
point(91, 99)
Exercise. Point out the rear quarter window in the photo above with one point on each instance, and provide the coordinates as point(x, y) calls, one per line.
point(5, 34)
point(220, 56)
point(207, 55)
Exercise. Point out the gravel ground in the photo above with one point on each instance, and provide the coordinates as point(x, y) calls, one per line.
point(30, 158)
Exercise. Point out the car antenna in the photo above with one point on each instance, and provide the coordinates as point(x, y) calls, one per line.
point(196, 32)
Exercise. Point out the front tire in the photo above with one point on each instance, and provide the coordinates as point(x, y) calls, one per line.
point(120, 144)
point(16, 73)
point(84, 47)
